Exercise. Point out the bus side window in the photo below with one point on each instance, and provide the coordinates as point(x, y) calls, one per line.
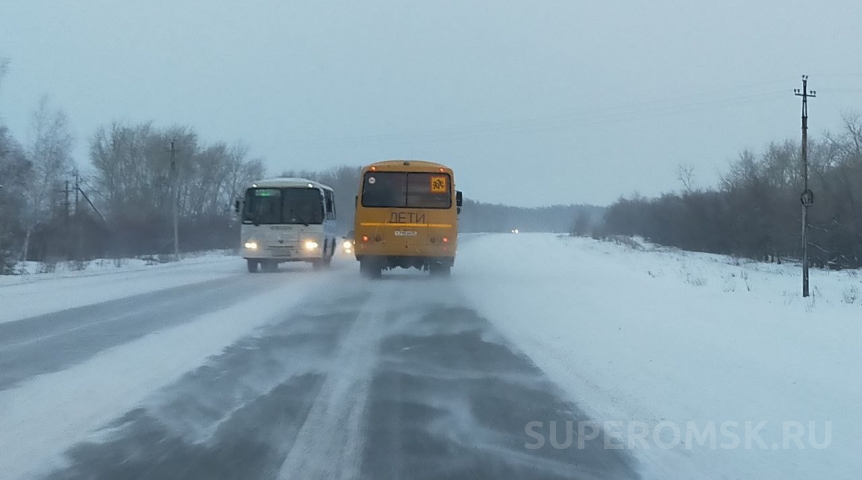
point(330, 212)
point(332, 199)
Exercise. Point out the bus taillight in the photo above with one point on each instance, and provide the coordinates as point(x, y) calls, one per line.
point(364, 238)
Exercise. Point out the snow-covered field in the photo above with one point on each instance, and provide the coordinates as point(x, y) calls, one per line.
point(26, 272)
point(645, 336)
point(33, 293)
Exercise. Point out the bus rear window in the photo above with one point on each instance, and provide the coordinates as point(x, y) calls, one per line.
point(410, 190)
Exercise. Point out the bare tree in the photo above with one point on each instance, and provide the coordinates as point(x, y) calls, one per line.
point(583, 224)
point(49, 152)
point(685, 174)
point(133, 172)
point(4, 68)
point(14, 174)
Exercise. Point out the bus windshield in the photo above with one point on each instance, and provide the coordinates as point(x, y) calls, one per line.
point(403, 189)
point(292, 206)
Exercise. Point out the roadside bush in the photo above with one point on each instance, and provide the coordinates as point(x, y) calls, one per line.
point(850, 295)
point(7, 263)
point(78, 265)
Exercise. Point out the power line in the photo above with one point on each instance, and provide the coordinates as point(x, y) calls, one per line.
point(93, 189)
point(93, 206)
point(662, 102)
point(585, 118)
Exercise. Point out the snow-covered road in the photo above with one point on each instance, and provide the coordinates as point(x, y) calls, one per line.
point(297, 374)
point(201, 370)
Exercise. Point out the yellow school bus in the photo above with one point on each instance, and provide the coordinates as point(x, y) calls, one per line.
point(406, 216)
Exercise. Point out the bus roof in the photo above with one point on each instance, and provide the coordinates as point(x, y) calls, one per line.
point(288, 182)
point(407, 165)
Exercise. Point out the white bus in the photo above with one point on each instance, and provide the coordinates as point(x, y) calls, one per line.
point(287, 220)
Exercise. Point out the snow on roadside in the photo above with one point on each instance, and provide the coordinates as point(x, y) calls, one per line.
point(27, 272)
point(656, 335)
point(40, 419)
point(24, 296)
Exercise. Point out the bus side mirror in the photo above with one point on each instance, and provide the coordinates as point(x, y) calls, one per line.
point(236, 206)
point(355, 201)
point(459, 200)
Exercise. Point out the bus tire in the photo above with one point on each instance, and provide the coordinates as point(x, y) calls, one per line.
point(441, 269)
point(252, 265)
point(369, 269)
point(270, 266)
point(319, 264)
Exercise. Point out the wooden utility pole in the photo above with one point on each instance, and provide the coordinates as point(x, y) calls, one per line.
point(68, 205)
point(175, 195)
point(77, 190)
point(807, 197)
point(79, 227)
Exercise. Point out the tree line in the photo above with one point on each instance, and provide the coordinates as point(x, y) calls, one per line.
point(492, 217)
point(755, 211)
point(475, 216)
point(138, 180)
point(121, 204)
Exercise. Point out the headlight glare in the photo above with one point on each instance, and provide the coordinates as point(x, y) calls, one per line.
point(251, 245)
point(310, 245)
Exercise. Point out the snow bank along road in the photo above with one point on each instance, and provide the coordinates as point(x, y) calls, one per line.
point(296, 374)
point(654, 339)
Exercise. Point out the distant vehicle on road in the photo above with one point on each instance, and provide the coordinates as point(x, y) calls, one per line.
point(406, 216)
point(287, 220)
point(348, 243)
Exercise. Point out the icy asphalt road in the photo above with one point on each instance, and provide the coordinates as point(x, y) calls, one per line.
point(337, 377)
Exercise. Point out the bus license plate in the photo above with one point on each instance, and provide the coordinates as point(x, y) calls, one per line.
point(405, 233)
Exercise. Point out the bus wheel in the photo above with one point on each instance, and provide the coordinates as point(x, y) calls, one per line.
point(369, 269)
point(252, 265)
point(270, 266)
point(440, 269)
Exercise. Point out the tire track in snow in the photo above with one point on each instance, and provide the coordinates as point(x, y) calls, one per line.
point(329, 444)
point(70, 404)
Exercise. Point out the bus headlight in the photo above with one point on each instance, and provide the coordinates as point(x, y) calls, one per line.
point(251, 245)
point(310, 245)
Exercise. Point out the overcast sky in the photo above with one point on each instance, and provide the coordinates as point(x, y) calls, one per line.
point(531, 103)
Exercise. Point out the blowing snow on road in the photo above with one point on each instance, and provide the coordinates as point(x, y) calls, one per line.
point(322, 374)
